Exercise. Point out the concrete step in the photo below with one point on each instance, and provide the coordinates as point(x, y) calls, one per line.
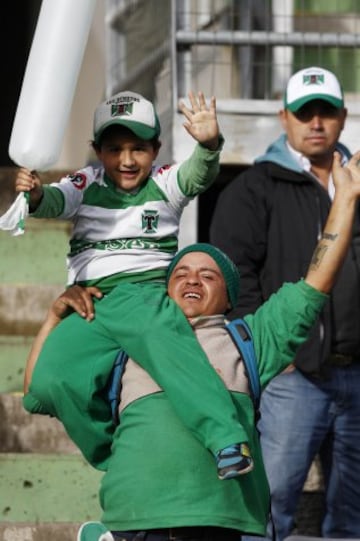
point(23, 307)
point(44, 488)
point(28, 531)
point(43, 477)
point(21, 432)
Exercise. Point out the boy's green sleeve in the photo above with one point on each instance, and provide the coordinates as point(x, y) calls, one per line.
point(51, 205)
point(198, 172)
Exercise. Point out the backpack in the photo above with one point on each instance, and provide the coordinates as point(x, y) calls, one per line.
point(241, 335)
point(242, 338)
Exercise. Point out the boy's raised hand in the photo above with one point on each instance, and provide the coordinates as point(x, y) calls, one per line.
point(201, 121)
point(28, 181)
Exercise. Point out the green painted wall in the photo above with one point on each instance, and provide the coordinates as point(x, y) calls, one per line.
point(329, 16)
point(30, 264)
point(38, 256)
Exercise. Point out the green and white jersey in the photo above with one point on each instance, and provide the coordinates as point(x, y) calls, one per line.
point(141, 227)
point(121, 235)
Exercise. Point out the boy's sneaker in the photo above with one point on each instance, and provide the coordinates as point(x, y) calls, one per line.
point(94, 531)
point(233, 461)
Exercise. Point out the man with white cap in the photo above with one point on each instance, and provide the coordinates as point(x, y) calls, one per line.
point(268, 220)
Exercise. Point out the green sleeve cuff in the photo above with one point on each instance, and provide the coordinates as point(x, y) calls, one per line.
point(32, 404)
point(51, 205)
point(219, 147)
point(311, 292)
point(198, 172)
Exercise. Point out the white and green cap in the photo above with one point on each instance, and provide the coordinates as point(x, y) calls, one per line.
point(313, 84)
point(130, 110)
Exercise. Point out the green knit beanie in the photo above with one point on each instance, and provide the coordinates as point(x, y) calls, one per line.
point(228, 268)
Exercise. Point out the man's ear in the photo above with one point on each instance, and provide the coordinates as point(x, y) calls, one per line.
point(283, 118)
point(344, 113)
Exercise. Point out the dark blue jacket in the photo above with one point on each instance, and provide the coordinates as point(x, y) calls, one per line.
point(268, 220)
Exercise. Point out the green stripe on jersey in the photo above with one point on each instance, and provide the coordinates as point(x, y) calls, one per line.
point(167, 245)
point(108, 196)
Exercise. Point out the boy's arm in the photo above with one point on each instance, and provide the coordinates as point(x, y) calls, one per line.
point(198, 172)
point(333, 245)
point(74, 299)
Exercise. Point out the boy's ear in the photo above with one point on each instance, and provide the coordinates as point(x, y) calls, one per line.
point(96, 149)
point(157, 147)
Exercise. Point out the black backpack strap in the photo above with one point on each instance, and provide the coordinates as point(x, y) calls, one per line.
point(242, 338)
point(114, 385)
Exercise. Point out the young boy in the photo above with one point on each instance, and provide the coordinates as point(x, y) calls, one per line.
point(125, 218)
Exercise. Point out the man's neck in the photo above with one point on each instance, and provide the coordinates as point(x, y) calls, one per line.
point(322, 171)
point(320, 168)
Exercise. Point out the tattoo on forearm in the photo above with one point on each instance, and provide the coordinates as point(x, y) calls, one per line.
point(318, 255)
point(321, 249)
point(329, 236)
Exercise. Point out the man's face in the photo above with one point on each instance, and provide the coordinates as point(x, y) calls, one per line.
point(314, 129)
point(198, 286)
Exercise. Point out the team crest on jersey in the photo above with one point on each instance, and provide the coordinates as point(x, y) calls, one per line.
point(150, 221)
point(78, 180)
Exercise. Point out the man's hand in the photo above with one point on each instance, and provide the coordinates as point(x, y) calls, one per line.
point(201, 122)
point(347, 177)
point(75, 299)
point(29, 181)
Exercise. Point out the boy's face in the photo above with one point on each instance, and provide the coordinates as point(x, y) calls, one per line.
point(198, 286)
point(127, 160)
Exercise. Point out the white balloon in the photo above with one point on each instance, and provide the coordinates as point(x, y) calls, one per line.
point(49, 82)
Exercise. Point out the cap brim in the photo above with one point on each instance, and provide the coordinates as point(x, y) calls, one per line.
point(297, 104)
point(140, 130)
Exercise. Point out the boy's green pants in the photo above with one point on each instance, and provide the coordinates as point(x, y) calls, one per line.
point(70, 378)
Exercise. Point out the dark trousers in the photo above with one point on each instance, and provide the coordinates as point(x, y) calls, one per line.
point(180, 534)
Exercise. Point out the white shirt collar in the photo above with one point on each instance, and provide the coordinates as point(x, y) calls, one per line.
point(305, 164)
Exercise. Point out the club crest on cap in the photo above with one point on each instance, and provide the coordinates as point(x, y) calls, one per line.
point(118, 109)
point(130, 110)
point(313, 79)
point(313, 83)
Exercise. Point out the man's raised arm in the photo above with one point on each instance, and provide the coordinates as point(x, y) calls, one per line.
point(331, 249)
